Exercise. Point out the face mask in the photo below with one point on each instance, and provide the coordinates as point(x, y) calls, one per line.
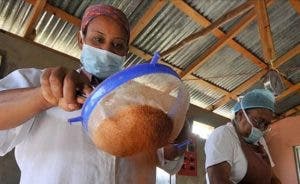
point(99, 62)
point(255, 134)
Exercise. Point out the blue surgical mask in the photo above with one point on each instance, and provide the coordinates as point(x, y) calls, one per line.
point(100, 63)
point(255, 134)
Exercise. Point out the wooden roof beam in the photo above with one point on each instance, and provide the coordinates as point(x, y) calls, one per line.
point(154, 8)
point(219, 22)
point(296, 5)
point(293, 89)
point(288, 113)
point(265, 30)
point(201, 82)
point(245, 21)
point(59, 13)
point(250, 82)
point(201, 20)
point(38, 8)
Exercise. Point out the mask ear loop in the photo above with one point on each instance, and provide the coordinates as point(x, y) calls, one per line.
point(240, 100)
point(82, 37)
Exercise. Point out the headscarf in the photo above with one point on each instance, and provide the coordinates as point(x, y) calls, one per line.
point(106, 10)
point(257, 98)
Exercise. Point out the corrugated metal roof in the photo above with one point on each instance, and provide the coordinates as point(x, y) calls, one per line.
point(201, 96)
point(227, 69)
point(13, 15)
point(133, 60)
point(226, 110)
point(168, 28)
point(214, 9)
point(133, 9)
point(58, 34)
point(285, 26)
point(249, 38)
point(287, 103)
point(291, 69)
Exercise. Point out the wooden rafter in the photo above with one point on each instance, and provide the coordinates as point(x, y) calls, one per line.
point(197, 80)
point(250, 82)
point(296, 5)
point(293, 89)
point(201, 20)
point(59, 13)
point(154, 8)
point(246, 85)
point(206, 84)
point(265, 30)
point(38, 8)
point(287, 56)
point(245, 21)
point(219, 22)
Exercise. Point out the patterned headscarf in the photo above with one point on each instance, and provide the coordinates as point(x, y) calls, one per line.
point(106, 10)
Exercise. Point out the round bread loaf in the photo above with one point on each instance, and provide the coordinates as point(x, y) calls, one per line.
point(133, 129)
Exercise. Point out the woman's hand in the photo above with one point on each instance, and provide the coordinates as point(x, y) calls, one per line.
point(59, 87)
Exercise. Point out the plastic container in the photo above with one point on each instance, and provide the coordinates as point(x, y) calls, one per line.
point(137, 109)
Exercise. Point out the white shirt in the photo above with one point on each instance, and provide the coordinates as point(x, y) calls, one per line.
point(48, 150)
point(224, 145)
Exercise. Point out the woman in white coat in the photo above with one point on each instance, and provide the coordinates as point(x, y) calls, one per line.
point(237, 152)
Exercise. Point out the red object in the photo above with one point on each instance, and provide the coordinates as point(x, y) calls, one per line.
point(189, 167)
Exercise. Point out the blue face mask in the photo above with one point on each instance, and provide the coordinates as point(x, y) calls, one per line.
point(99, 62)
point(255, 134)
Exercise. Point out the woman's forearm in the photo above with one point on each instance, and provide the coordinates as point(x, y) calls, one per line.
point(19, 105)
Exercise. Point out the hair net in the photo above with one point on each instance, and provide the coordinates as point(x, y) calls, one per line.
point(258, 98)
point(106, 10)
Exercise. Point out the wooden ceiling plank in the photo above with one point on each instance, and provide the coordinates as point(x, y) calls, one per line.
point(29, 27)
point(265, 30)
point(219, 22)
point(154, 8)
point(245, 21)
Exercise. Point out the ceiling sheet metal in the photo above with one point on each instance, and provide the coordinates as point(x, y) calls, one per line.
point(13, 15)
point(201, 96)
point(133, 9)
point(58, 34)
point(227, 68)
point(226, 110)
point(166, 29)
point(285, 26)
point(214, 9)
point(291, 101)
point(291, 69)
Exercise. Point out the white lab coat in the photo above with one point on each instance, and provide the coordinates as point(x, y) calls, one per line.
point(48, 150)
